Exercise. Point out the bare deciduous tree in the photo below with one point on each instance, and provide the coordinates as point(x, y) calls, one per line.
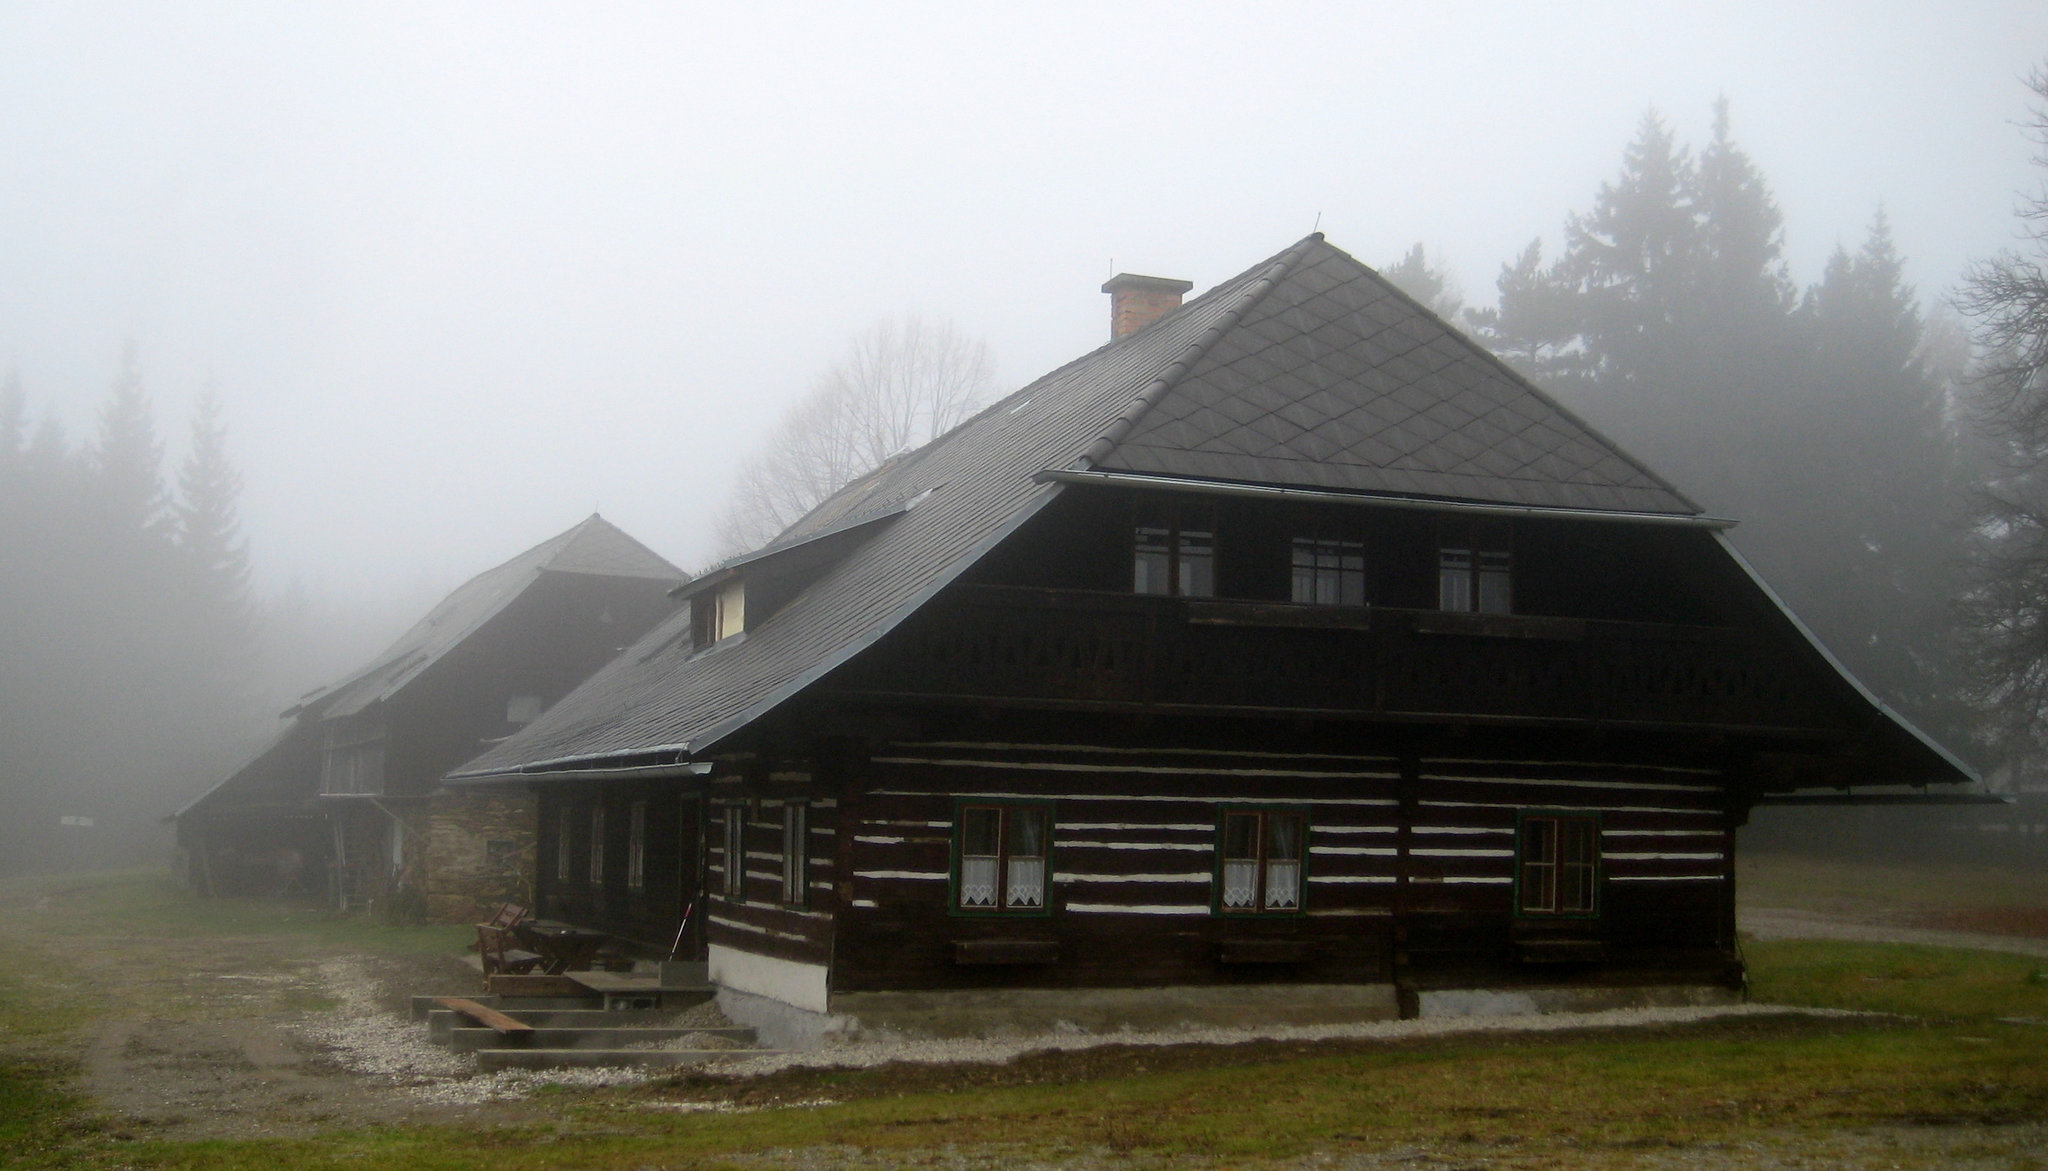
point(2007, 608)
point(900, 383)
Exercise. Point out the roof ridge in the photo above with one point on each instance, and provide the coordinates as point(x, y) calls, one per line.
point(595, 527)
point(1549, 399)
point(1192, 353)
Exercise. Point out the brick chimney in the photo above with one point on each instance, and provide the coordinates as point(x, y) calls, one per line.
point(1137, 301)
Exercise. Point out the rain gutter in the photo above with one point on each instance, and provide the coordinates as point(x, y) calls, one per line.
point(568, 769)
point(1423, 504)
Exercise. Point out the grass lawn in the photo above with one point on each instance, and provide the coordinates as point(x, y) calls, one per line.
point(1955, 893)
point(149, 904)
point(1592, 1100)
point(1961, 1065)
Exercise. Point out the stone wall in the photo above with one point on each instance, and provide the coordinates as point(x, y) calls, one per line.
point(480, 852)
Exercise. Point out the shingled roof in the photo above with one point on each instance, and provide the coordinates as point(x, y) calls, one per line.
point(594, 546)
point(1308, 370)
point(1333, 378)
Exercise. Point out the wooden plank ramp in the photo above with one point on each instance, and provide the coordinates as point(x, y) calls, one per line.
point(490, 1018)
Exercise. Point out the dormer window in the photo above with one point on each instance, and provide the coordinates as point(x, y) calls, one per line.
point(1174, 550)
point(1475, 570)
point(716, 615)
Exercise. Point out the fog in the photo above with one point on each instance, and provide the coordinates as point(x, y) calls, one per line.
point(460, 276)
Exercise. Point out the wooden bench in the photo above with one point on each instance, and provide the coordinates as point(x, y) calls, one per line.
point(501, 952)
point(490, 1018)
point(508, 914)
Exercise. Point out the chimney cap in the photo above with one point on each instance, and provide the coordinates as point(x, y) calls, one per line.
point(1132, 282)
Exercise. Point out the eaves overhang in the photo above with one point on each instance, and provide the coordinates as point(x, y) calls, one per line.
point(589, 768)
point(1964, 774)
point(1840, 799)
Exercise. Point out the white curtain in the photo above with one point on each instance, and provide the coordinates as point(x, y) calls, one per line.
point(1027, 882)
point(977, 882)
point(1240, 883)
point(1283, 885)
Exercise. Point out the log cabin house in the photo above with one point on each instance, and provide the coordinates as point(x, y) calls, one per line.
point(1288, 653)
point(346, 803)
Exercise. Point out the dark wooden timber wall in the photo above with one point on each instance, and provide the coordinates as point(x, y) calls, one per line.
point(646, 917)
point(546, 642)
point(1410, 870)
point(761, 922)
point(1133, 868)
point(1563, 567)
point(1665, 893)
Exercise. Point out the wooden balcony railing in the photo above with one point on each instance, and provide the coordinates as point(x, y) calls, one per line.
point(1099, 649)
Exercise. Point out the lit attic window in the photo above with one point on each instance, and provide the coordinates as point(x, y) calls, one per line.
point(720, 614)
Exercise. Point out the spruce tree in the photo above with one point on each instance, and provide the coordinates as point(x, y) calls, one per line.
point(207, 531)
point(13, 419)
point(1741, 277)
point(1869, 526)
point(1670, 320)
point(1431, 286)
point(1629, 263)
point(127, 460)
point(1533, 324)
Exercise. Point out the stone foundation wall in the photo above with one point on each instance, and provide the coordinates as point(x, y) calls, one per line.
point(479, 853)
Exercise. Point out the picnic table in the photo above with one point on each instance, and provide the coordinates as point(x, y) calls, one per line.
point(563, 947)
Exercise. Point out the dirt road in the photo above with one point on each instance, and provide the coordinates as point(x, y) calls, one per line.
point(1770, 923)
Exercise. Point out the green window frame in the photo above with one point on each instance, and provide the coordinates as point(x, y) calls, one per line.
point(795, 853)
point(1002, 858)
point(733, 852)
point(1557, 864)
point(1261, 860)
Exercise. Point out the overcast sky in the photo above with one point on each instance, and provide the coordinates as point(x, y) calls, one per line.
point(462, 274)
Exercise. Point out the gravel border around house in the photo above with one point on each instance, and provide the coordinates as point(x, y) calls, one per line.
point(369, 1041)
point(872, 1050)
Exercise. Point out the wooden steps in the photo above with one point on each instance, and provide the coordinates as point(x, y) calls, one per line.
point(580, 1020)
point(467, 1040)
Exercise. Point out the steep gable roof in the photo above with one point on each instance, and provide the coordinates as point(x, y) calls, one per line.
point(593, 547)
point(1337, 380)
point(978, 483)
point(1307, 371)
